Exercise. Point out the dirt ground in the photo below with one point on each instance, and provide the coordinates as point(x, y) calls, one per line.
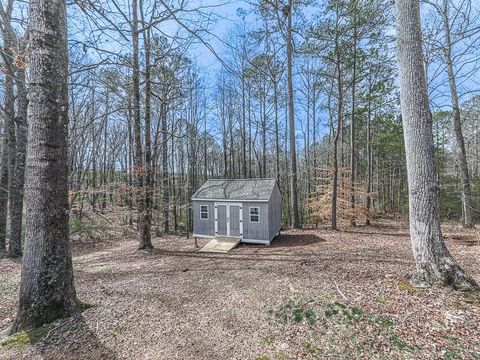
point(313, 294)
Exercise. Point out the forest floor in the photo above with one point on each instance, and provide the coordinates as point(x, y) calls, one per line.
point(313, 294)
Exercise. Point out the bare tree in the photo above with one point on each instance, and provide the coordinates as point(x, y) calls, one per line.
point(8, 143)
point(458, 25)
point(288, 10)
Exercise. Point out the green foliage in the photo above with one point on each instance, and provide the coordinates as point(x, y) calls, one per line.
point(349, 323)
point(406, 286)
point(26, 337)
point(262, 357)
point(266, 340)
point(295, 311)
point(87, 228)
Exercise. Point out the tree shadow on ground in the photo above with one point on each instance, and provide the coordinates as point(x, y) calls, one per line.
point(74, 340)
point(374, 232)
point(465, 240)
point(294, 240)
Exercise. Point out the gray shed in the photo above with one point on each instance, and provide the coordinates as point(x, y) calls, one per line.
point(248, 209)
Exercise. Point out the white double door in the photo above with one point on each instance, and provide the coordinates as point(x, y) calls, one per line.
point(228, 219)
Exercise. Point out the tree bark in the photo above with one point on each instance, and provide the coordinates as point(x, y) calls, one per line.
point(147, 223)
point(139, 166)
point(18, 180)
point(5, 171)
point(8, 124)
point(47, 289)
point(4, 193)
point(434, 264)
point(336, 139)
point(352, 125)
point(165, 187)
point(295, 220)
point(369, 159)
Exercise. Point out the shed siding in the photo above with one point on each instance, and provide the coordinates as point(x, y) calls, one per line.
point(202, 226)
point(255, 231)
point(275, 213)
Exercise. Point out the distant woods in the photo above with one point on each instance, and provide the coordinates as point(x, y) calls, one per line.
point(308, 98)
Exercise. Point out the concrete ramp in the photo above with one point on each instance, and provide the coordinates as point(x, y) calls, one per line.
point(220, 244)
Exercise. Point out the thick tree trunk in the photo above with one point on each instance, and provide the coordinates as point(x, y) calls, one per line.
point(18, 180)
point(47, 290)
point(295, 220)
point(434, 264)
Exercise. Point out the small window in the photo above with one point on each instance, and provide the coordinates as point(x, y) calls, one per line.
point(204, 212)
point(254, 214)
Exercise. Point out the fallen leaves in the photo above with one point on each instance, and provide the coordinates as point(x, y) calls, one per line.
point(175, 303)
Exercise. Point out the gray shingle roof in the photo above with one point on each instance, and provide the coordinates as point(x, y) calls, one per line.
point(241, 189)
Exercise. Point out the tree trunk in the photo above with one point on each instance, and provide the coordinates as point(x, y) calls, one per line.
point(352, 125)
point(94, 154)
point(104, 162)
point(468, 221)
point(47, 290)
point(165, 187)
point(369, 160)
point(5, 165)
point(147, 220)
point(139, 167)
point(336, 140)
point(434, 264)
point(18, 183)
point(295, 220)
point(244, 121)
point(3, 194)
point(277, 130)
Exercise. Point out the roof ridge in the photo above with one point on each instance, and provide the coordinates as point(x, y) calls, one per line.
point(245, 189)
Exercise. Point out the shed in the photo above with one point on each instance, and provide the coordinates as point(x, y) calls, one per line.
point(247, 209)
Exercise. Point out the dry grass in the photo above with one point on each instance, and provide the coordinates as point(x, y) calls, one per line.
point(313, 294)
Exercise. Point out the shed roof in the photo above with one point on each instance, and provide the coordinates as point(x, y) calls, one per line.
point(240, 189)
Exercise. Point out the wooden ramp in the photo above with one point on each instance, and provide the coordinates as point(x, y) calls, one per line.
point(220, 244)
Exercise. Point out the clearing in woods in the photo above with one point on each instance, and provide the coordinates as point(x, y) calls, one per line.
point(311, 294)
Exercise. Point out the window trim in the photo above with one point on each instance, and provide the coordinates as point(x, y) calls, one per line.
point(250, 214)
point(204, 212)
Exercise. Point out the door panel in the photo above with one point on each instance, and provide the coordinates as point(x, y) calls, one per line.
point(234, 220)
point(222, 220)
